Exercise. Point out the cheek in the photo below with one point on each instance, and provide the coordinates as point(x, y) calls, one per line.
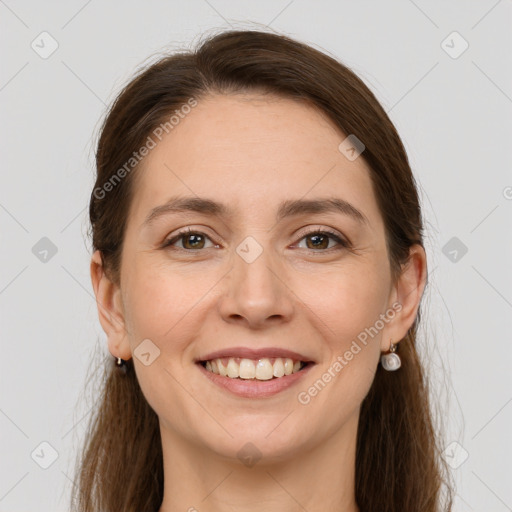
point(151, 303)
point(347, 300)
point(348, 305)
point(160, 302)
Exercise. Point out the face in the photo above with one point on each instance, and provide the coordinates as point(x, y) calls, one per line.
point(252, 278)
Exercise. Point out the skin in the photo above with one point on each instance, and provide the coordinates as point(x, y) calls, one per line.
point(251, 152)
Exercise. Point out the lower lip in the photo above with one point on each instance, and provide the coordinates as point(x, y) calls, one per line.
point(253, 388)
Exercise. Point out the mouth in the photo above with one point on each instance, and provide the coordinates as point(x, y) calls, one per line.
point(261, 369)
point(255, 379)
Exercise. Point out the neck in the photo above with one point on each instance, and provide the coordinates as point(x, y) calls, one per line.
point(317, 478)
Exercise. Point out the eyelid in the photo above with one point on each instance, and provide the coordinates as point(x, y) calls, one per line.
point(341, 240)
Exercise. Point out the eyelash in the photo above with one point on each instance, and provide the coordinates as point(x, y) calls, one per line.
point(188, 231)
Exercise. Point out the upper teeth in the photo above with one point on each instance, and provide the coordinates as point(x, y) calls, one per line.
point(260, 369)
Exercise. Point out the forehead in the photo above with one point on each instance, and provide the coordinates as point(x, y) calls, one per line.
point(251, 151)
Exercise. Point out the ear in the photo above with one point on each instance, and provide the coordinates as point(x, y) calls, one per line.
point(407, 294)
point(110, 309)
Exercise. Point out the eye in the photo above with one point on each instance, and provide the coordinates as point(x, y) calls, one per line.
point(320, 240)
point(191, 240)
point(194, 240)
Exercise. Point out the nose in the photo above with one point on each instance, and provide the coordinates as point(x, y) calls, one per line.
point(256, 293)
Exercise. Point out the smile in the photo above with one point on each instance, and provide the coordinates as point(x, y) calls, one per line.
point(254, 387)
point(261, 369)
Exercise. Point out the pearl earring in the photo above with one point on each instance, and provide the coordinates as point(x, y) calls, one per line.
point(391, 361)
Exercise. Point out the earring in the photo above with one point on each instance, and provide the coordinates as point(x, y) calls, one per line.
point(391, 361)
point(121, 364)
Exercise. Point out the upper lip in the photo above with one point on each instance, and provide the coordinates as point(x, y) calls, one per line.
point(250, 353)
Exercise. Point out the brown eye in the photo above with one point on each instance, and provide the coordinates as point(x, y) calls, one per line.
point(319, 241)
point(191, 240)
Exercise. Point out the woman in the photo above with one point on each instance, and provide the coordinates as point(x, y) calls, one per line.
point(258, 267)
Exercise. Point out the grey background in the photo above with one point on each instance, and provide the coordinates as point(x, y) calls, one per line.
point(453, 114)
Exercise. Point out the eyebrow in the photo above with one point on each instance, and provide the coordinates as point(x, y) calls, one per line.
point(288, 208)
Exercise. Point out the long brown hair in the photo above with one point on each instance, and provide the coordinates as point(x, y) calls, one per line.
point(399, 467)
